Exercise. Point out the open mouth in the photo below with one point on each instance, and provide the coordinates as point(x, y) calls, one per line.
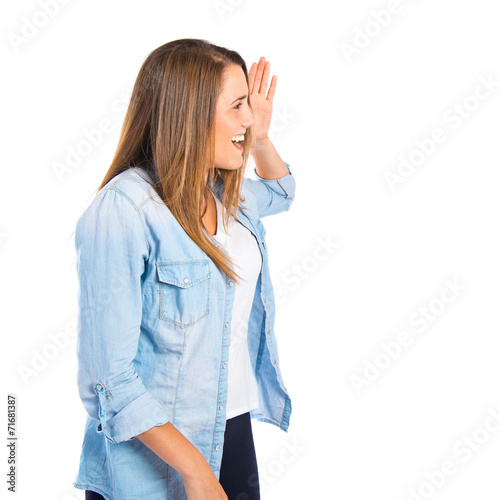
point(238, 141)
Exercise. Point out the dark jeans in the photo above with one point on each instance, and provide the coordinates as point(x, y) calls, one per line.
point(92, 495)
point(239, 475)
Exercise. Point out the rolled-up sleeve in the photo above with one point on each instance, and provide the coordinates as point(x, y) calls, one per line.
point(272, 195)
point(111, 254)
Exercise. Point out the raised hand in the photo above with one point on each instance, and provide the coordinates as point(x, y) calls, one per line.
point(262, 104)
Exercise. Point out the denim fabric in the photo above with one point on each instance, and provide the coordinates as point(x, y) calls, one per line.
point(153, 335)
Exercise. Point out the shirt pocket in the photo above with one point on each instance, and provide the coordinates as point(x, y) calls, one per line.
point(184, 291)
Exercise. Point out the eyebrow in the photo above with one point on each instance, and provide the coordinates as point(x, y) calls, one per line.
point(239, 99)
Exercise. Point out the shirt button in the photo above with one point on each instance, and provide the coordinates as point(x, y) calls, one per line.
point(226, 324)
point(186, 280)
point(268, 331)
point(98, 387)
point(230, 283)
point(217, 448)
point(224, 366)
point(275, 361)
point(221, 407)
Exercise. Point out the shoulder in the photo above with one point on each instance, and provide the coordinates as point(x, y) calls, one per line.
point(134, 184)
point(118, 205)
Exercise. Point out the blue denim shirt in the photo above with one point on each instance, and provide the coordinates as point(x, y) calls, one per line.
point(153, 335)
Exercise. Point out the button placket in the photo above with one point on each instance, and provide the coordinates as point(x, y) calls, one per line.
point(223, 367)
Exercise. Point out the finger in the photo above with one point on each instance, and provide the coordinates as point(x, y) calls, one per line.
point(258, 75)
point(251, 77)
point(272, 88)
point(265, 78)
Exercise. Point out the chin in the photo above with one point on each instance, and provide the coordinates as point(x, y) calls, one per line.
point(230, 166)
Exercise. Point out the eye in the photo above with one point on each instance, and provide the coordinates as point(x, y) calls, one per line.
point(238, 106)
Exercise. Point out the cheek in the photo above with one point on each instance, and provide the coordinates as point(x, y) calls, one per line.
point(219, 135)
point(220, 142)
point(225, 127)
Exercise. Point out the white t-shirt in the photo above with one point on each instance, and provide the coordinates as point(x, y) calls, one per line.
point(243, 249)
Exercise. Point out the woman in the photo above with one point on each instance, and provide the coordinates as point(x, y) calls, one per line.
point(177, 351)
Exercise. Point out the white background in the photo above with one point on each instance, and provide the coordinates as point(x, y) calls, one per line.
point(342, 122)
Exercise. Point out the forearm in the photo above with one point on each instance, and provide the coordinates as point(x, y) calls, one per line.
point(268, 163)
point(174, 449)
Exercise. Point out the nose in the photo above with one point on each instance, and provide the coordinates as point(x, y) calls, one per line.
point(249, 119)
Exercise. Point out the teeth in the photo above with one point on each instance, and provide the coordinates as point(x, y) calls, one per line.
point(238, 138)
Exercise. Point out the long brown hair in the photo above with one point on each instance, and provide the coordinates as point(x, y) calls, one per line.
point(169, 131)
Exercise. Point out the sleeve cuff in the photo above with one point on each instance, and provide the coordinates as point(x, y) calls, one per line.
point(137, 417)
point(286, 183)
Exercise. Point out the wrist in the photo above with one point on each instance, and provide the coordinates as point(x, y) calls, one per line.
point(262, 143)
point(194, 467)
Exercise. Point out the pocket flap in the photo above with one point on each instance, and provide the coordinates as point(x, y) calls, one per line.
point(183, 274)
